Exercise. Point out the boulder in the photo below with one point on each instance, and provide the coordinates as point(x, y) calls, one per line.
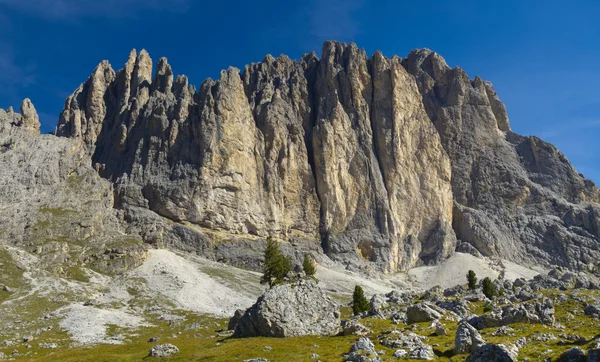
point(592, 310)
point(233, 321)
point(467, 339)
point(493, 353)
point(287, 310)
point(362, 350)
point(572, 355)
point(412, 344)
point(400, 353)
point(353, 327)
point(377, 305)
point(593, 355)
point(163, 350)
point(423, 352)
point(422, 312)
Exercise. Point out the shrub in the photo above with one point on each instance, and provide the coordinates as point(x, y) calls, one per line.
point(472, 280)
point(488, 288)
point(360, 304)
point(308, 266)
point(487, 308)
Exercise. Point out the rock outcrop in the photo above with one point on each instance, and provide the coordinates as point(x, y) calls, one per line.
point(494, 353)
point(289, 310)
point(380, 162)
point(54, 204)
point(515, 197)
point(467, 339)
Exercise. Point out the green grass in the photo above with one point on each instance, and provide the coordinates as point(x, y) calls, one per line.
point(203, 344)
point(10, 275)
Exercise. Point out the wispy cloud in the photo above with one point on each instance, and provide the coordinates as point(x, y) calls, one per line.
point(571, 127)
point(335, 19)
point(73, 9)
point(15, 73)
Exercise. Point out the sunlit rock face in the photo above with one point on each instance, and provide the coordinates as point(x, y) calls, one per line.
point(380, 162)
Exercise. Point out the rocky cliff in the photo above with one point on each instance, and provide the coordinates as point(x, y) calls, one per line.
point(379, 162)
point(53, 203)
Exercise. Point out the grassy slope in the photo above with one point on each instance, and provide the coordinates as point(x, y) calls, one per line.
point(203, 344)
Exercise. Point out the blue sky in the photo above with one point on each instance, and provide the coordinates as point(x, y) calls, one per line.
point(542, 56)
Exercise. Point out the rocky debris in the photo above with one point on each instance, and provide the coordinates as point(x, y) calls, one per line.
point(458, 306)
point(572, 355)
point(424, 352)
point(353, 327)
point(413, 344)
point(294, 309)
point(378, 305)
point(163, 350)
point(493, 353)
point(48, 345)
point(362, 350)
point(422, 312)
point(467, 339)
point(153, 339)
point(543, 337)
point(573, 339)
point(233, 321)
point(314, 356)
point(8, 289)
point(257, 360)
point(527, 312)
point(504, 331)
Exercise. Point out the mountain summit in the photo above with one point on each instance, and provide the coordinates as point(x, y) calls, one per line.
point(384, 163)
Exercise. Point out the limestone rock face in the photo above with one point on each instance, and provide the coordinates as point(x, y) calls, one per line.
point(382, 163)
point(515, 197)
point(337, 153)
point(29, 115)
point(55, 205)
point(289, 310)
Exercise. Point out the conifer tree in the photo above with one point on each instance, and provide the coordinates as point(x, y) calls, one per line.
point(472, 280)
point(360, 304)
point(273, 269)
point(286, 267)
point(308, 266)
point(488, 288)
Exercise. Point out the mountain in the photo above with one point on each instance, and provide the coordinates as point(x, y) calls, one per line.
point(381, 163)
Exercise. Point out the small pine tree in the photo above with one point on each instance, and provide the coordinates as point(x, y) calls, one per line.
point(286, 267)
point(308, 266)
point(274, 264)
point(360, 304)
point(488, 288)
point(472, 280)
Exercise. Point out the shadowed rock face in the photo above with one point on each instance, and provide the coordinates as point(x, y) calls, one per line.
point(381, 162)
point(515, 197)
point(54, 205)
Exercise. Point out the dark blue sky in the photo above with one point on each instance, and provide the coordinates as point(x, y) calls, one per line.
point(542, 56)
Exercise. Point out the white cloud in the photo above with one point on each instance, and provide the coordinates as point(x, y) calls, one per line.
point(71, 9)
